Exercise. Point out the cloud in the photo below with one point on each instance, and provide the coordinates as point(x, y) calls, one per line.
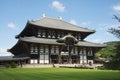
point(116, 8)
point(73, 22)
point(58, 6)
point(3, 52)
point(11, 25)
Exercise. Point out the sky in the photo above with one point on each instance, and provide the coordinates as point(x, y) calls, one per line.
point(92, 14)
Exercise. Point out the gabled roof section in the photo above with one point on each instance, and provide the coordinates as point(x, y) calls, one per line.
point(59, 24)
point(63, 39)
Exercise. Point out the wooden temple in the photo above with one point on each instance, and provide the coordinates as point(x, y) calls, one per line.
point(54, 41)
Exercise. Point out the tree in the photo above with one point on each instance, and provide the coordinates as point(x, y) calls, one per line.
point(108, 51)
point(115, 31)
point(106, 54)
point(115, 62)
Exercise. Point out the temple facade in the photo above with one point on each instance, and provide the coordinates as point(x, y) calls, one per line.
point(54, 41)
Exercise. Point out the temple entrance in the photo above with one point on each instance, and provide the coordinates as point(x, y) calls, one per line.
point(64, 59)
point(54, 59)
point(74, 59)
point(69, 42)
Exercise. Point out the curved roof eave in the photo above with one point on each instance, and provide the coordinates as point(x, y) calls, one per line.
point(54, 41)
point(23, 29)
point(10, 50)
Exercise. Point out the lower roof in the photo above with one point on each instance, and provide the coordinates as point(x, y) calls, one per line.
point(12, 58)
point(54, 41)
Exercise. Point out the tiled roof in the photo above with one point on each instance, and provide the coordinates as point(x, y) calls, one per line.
point(54, 41)
point(59, 24)
point(8, 58)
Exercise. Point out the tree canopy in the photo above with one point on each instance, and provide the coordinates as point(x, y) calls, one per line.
point(108, 52)
point(115, 61)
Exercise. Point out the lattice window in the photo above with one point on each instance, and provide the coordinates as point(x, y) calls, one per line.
point(58, 35)
point(53, 34)
point(39, 33)
point(43, 33)
point(46, 49)
point(41, 57)
point(76, 50)
point(46, 57)
point(90, 53)
point(62, 34)
point(81, 55)
point(85, 54)
point(34, 49)
point(52, 49)
point(72, 51)
point(49, 34)
point(56, 49)
point(41, 49)
point(79, 36)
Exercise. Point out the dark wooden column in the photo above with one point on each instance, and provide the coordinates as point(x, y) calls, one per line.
point(87, 49)
point(38, 54)
point(59, 56)
point(78, 50)
point(50, 61)
point(69, 57)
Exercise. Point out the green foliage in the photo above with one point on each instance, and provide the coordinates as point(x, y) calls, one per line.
point(115, 61)
point(13, 65)
point(115, 31)
point(7, 65)
point(10, 65)
point(109, 51)
point(98, 54)
point(113, 64)
point(57, 74)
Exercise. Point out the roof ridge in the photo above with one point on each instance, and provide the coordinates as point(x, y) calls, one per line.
point(63, 21)
point(59, 24)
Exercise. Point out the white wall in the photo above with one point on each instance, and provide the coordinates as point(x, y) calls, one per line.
point(33, 61)
point(44, 61)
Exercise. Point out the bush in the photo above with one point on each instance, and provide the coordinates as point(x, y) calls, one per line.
point(13, 65)
point(114, 65)
point(7, 65)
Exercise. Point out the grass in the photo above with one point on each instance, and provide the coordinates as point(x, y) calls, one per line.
point(57, 74)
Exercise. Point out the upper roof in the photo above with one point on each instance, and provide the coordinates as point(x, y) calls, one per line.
point(54, 41)
point(59, 24)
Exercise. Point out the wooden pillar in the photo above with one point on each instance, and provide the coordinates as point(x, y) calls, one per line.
point(93, 53)
point(50, 61)
point(69, 57)
point(59, 56)
point(38, 54)
point(78, 58)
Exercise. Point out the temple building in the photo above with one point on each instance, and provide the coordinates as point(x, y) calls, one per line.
point(54, 41)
